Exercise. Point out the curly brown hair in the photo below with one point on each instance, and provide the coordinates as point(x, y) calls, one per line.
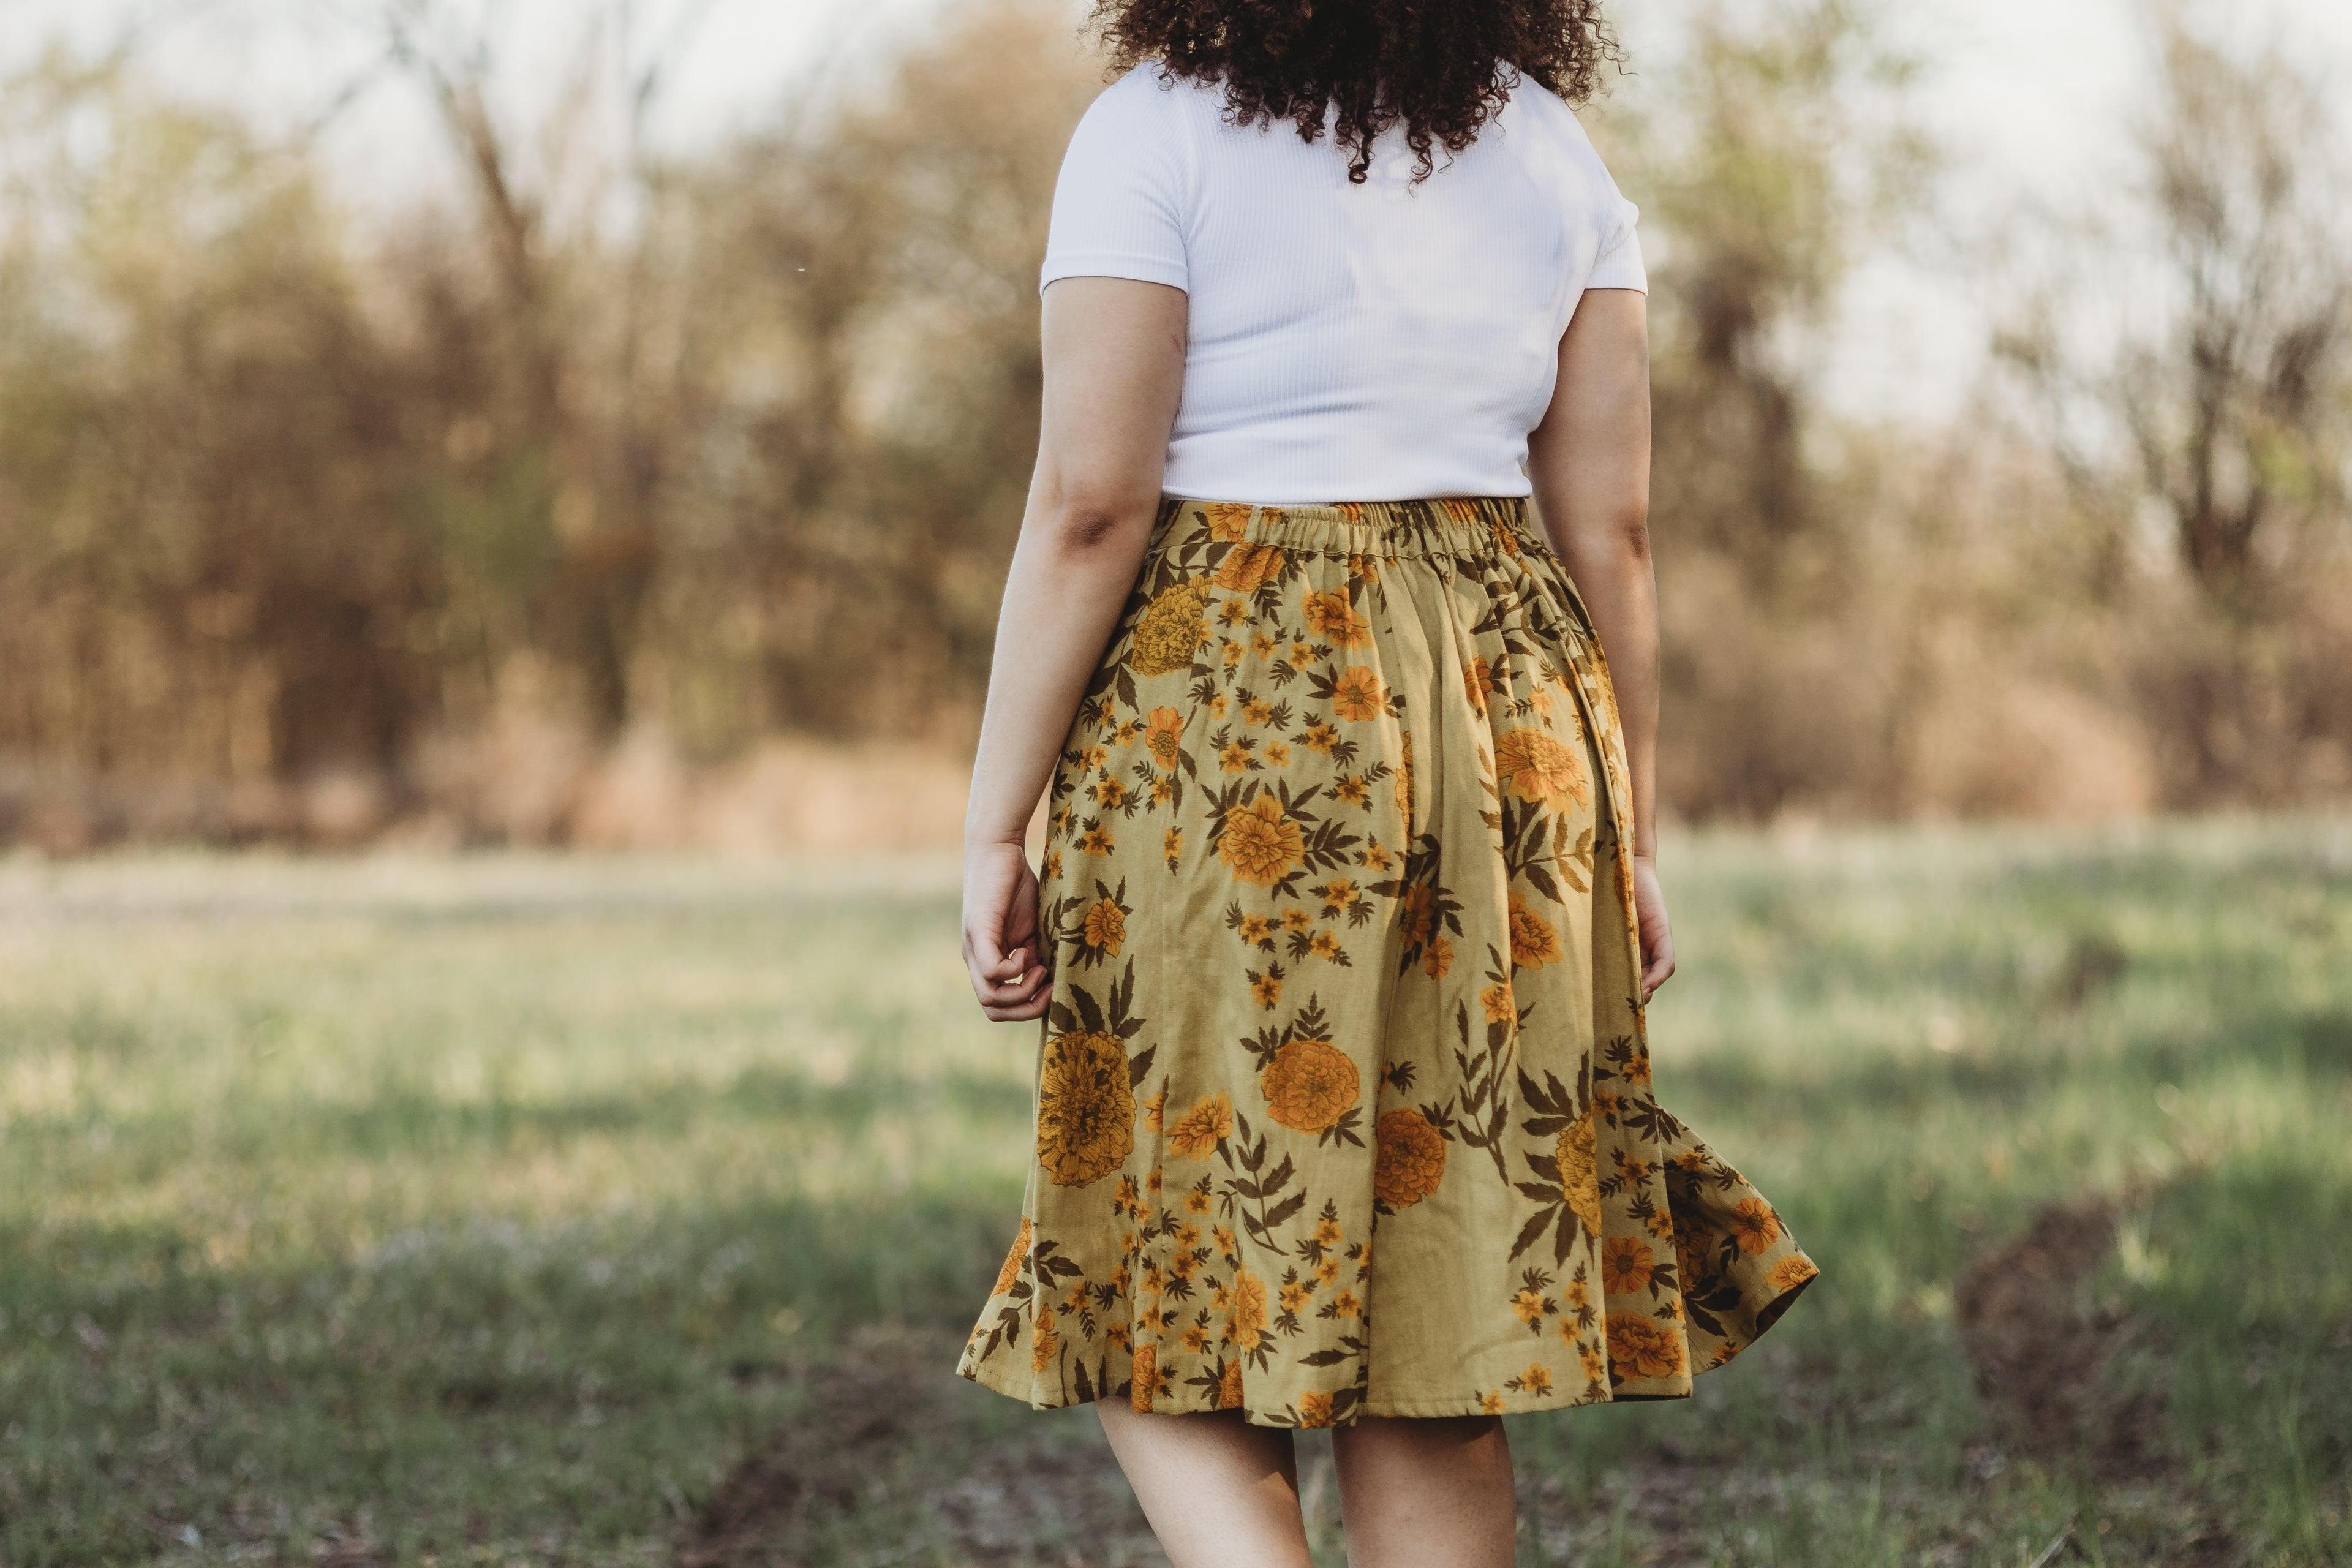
point(1440, 67)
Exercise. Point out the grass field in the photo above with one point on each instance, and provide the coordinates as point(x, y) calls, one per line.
point(514, 1210)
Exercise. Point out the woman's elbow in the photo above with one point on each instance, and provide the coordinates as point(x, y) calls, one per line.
point(1090, 522)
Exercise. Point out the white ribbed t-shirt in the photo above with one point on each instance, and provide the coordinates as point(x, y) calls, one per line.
point(1378, 341)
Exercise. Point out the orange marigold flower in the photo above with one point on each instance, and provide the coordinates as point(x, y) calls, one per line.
point(1640, 1348)
point(1171, 630)
point(1786, 1275)
point(1315, 1410)
point(1247, 1325)
point(1227, 519)
point(1439, 959)
point(1105, 928)
point(1536, 768)
point(1229, 1386)
point(1579, 1183)
point(1330, 616)
point(1045, 1344)
point(1260, 843)
point(1199, 1131)
point(1500, 1005)
point(1533, 943)
point(1013, 1259)
point(1148, 1382)
point(1309, 1085)
point(1085, 1108)
point(1537, 1380)
point(1249, 567)
point(1409, 1158)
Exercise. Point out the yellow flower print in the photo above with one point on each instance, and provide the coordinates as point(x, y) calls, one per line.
point(1626, 1266)
point(1237, 756)
point(1300, 655)
point(1309, 1085)
point(1105, 929)
point(1296, 919)
point(1640, 1348)
point(1491, 1402)
point(1249, 567)
point(1477, 681)
point(1327, 1270)
point(1227, 519)
point(1109, 792)
point(1498, 1003)
point(1527, 1306)
point(1163, 737)
point(1199, 1131)
point(1095, 840)
point(1294, 1294)
point(1324, 945)
point(1330, 616)
point(1351, 790)
point(1438, 959)
point(1579, 1183)
point(1257, 931)
point(1533, 943)
point(1755, 1225)
point(1788, 1273)
point(1014, 1260)
point(1357, 694)
point(1260, 843)
point(1344, 1304)
point(1328, 1231)
point(1536, 1380)
point(1278, 754)
point(1257, 711)
point(1536, 768)
point(1230, 654)
point(1148, 1382)
point(1086, 1109)
point(1045, 1344)
point(1247, 1326)
point(1266, 989)
point(1315, 1410)
point(1229, 1386)
point(1319, 737)
point(1152, 1109)
point(1409, 1158)
point(1171, 847)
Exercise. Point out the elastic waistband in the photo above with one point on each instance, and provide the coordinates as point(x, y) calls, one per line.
point(1448, 525)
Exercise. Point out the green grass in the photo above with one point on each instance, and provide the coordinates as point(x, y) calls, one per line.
point(497, 1210)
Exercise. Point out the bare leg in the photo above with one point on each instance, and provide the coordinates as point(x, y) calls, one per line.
point(1219, 1493)
point(1426, 1492)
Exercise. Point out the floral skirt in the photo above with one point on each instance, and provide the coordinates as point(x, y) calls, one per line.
point(1343, 1100)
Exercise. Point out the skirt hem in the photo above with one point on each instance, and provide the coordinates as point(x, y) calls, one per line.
point(1197, 1404)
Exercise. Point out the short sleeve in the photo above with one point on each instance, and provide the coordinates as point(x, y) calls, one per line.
point(1619, 265)
point(1121, 203)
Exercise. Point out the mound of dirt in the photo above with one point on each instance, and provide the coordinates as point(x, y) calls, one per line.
point(2041, 1354)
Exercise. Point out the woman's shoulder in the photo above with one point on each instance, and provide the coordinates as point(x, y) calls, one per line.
point(1147, 94)
point(1534, 105)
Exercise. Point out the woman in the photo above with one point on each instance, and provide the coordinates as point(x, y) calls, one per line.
point(1347, 915)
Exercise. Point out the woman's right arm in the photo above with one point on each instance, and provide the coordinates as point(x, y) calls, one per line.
point(1114, 366)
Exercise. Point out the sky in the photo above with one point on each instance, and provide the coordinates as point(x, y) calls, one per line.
point(2026, 96)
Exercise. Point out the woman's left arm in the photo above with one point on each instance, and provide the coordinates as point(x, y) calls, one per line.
point(1114, 367)
point(1590, 463)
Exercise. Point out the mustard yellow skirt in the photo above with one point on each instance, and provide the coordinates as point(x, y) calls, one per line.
point(1343, 1101)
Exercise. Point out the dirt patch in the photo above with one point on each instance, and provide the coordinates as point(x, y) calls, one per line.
point(2041, 1354)
point(887, 1450)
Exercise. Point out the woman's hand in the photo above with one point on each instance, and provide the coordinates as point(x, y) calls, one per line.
point(1657, 934)
point(1000, 934)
